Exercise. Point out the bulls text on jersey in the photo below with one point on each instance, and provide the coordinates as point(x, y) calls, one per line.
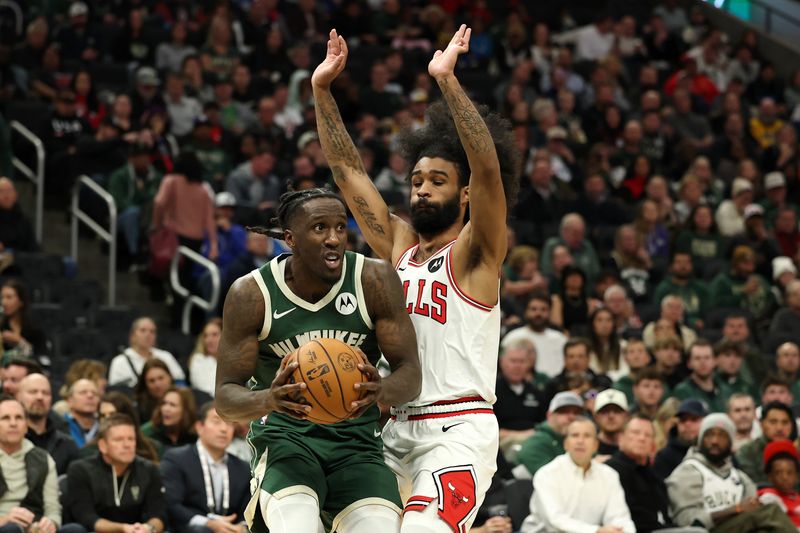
point(431, 300)
point(287, 346)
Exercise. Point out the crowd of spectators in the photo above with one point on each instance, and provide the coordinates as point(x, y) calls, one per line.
point(650, 296)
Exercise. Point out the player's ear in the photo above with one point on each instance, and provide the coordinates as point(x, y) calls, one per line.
point(465, 195)
point(288, 238)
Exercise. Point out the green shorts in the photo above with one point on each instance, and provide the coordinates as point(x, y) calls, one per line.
point(341, 465)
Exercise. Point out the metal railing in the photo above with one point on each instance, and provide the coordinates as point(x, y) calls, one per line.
point(18, 18)
point(109, 235)
point(192, 300)
point(770, 12)
point(36, 176)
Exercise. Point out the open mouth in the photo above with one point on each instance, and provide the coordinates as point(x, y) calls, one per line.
point(333, 260)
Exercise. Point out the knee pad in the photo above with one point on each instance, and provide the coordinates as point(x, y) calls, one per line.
point(370, 519)
point(425, 521)
point(294, 513)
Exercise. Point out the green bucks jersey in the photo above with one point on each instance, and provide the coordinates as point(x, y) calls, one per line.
point(290, 321)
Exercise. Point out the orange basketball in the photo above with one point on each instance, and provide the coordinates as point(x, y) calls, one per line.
point(329, 368)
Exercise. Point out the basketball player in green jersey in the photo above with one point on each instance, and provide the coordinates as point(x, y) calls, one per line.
point(304, 472)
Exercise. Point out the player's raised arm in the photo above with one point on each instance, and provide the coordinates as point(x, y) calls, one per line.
point(363, 199)
point(487, 202)
point(242, 319)
point(395, 334)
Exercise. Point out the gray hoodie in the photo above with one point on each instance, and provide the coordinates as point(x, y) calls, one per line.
point(685, 488)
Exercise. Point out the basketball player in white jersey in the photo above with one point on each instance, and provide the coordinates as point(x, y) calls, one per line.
point(443, 444)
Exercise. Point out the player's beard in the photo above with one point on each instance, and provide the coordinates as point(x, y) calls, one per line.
point(430, 218)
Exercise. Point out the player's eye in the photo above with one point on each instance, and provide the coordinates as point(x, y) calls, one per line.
point(319, 227)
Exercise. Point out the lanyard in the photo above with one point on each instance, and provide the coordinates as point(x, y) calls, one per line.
point(119, 491)
point(209, 485)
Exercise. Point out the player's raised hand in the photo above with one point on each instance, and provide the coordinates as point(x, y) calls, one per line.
point(334, 62)
point(443, 63)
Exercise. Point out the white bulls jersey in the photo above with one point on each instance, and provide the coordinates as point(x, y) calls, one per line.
point(457, 336)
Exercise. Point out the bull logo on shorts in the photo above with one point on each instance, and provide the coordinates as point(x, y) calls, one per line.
point(456, 487)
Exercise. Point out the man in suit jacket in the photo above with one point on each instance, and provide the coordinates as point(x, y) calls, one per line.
point(207, 489)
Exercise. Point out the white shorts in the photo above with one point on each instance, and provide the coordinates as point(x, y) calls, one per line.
point(445, 452)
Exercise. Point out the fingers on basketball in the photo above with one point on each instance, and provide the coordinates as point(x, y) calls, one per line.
point(329, 368)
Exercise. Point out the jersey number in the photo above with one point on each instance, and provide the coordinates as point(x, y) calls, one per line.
point(432, 303)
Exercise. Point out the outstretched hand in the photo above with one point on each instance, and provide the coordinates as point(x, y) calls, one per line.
point(443, 63)
point(334, 62)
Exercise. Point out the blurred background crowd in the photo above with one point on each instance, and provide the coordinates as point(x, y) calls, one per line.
point(653, 249)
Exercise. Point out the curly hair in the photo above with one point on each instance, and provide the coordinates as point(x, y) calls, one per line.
point(439, 138)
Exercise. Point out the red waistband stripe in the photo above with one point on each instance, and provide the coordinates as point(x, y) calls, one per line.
point(448, 414)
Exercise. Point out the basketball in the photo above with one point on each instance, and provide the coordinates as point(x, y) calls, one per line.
point(329, 368)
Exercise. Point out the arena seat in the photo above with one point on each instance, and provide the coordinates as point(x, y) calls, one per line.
point(36, 266)
point(774, 339)
point(80, 343)
point(80, 298)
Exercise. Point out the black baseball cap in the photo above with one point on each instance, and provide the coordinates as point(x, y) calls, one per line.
point(692, 407)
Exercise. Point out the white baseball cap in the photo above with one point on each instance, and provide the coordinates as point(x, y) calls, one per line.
point(610, 397)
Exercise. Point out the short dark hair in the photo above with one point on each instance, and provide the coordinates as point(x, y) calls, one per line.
point(114, 420)
point(206, 408)
point(774, 379)
point(699, 343)
point(726, 345)
point(648, 373)
point(539, 296)
point(9, 398)
point(577, 341)
point(639, 416)
point(29, 364)
point(190, 166)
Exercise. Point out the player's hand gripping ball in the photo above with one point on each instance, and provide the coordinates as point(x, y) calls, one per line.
point(329, 368)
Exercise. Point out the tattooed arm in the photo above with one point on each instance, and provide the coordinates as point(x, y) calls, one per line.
point(487, 203)
point(394, 330)
point(386, 234)
point(242, 319)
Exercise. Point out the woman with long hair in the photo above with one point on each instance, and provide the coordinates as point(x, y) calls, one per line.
point(172, 423)
point(154, 381)
point(570, 305)
point(117, 402)
point(19, 332)
point(203, 362)
point(700, 238)
point(606, 354)
point(87, 105)
point(219, 55)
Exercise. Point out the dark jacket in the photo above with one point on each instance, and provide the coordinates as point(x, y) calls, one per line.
point(16, 231)
point(670, 456)
point(56, 442)
point(90, 493)
point(645, 493)
point(182, 474)
point(518, 411)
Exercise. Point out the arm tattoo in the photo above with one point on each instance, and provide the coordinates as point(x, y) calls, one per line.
point(469, 123)
point(394, 330)
point(370, 219)
point(339, 147)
